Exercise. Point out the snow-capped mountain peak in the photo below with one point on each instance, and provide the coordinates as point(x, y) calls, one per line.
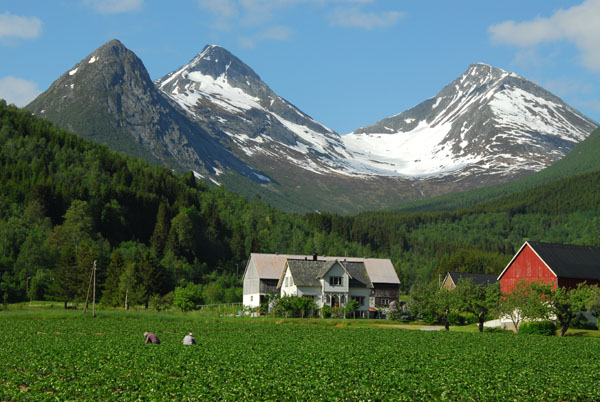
point(488, 119)
point(218, 88)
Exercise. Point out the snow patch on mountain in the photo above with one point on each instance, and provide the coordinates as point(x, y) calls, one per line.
point(487, 118)
point(417, 153)
point(217, 90)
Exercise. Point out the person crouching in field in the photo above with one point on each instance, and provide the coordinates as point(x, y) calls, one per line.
point(189, 339)
point(151, 338)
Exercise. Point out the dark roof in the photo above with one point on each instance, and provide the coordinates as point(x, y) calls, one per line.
point(569, 261)
point(478, 279)
point(308, 272)
point(358, 274)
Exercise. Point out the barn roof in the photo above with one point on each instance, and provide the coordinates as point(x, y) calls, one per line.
point(478, 279)
point(308, 272)
point(270, 266)
point(569, 261)
point(566, 260)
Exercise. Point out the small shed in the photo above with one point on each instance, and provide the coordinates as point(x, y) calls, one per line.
point(561, 265)
point(452, 278)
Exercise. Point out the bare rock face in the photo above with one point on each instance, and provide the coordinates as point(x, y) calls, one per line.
point(109, 97)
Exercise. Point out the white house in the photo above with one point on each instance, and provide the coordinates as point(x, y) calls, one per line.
point(331, 283)
point(263, 272)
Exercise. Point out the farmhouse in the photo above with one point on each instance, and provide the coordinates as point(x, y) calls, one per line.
point(372, 278)
point(332, 283)
point(558, 264)
point(452, 278)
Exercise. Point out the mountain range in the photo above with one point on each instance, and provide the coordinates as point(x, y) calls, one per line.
point(215, 116)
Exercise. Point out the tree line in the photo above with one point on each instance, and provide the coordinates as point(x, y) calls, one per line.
point(529, 304)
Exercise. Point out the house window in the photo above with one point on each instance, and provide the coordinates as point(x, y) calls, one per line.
point(251, 298)
point(359, 299)
point(335, 280)
point(385, 302)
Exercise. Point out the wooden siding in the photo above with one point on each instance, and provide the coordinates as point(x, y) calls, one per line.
point(527, 265)
point(268, 286)
point(384, 293)
point(448, 284)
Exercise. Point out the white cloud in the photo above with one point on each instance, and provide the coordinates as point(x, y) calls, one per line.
point(259, 12)
point(17, 90)
point(578, 25)
point(274, 33)
point(568, 86)
point(115, 6)
point(223, 10)
point(356, 18)
point(14, 26)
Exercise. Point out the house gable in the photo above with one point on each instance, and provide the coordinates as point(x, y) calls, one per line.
point(334, 277)
point(448, 283)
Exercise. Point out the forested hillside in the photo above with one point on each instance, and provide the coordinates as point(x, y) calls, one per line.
point(65, 202)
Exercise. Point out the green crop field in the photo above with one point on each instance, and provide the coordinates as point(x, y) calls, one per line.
point(68, 356)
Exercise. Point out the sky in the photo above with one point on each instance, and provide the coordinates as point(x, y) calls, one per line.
point(346, 63)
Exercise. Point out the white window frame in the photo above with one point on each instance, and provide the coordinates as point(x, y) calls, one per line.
point(333, 281)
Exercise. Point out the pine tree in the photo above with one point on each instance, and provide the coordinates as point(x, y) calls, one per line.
point(160, 235)
point(110, 295)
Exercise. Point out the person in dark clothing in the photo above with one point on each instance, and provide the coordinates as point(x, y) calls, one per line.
point(151, 338)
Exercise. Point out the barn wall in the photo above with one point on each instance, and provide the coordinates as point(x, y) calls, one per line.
point(251, 280)
point(526, 266)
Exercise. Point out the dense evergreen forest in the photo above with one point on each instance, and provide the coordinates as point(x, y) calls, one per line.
point(66, 202)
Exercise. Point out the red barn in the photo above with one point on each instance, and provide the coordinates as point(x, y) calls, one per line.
point(559, 264)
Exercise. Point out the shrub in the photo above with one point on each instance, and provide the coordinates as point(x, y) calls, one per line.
point(162, 302)
point(497, 330)
point(469, 318)
point(456, 319)
point(538, 328)
point(581, 322)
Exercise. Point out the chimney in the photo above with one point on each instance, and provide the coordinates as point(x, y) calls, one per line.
point(314, 257)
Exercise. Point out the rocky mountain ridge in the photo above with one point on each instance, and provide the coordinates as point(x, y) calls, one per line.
point(487, 120)
point(215, 116)
point(109, 97)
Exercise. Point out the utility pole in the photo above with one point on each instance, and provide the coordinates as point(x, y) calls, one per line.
point(27, 289)
point(92, 278)
point(87, 297)
point(94, 294)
